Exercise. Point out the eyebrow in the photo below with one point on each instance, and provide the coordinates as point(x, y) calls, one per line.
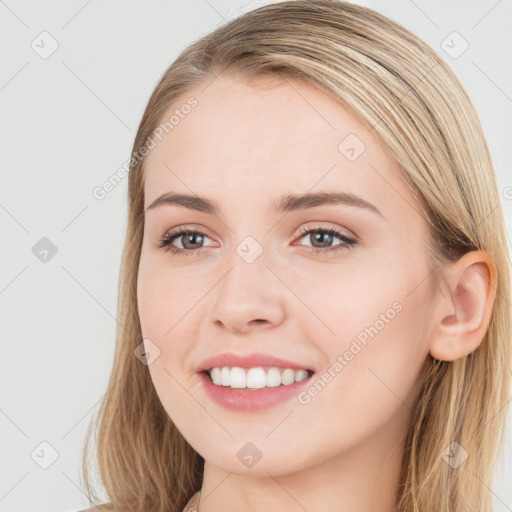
point(287, 203)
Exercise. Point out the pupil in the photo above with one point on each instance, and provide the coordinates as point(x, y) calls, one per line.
point(193, 236)
point(321, 236)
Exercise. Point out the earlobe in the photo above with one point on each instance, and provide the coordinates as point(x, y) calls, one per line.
point(463, 315)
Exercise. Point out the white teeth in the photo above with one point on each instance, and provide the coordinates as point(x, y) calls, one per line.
point(273, 377)
point(255, 378)
point(288, 377)
point(238, 378)
point(225, 375)
point(216, 375)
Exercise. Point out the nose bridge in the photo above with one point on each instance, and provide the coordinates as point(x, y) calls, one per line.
point(249, 290)
point(248, 264)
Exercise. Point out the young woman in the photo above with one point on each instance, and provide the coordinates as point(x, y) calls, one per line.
point(314, 292)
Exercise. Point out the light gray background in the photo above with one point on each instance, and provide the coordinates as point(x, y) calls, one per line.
point(67, 124)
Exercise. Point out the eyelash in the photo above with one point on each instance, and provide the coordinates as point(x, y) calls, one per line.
point(166, 241)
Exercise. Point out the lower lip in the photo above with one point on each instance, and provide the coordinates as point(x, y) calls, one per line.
point(250, 399)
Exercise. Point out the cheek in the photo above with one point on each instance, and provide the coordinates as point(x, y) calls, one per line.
point(163, 298)
point(369, 387)
point(344, 297)
point(170, 312)
point(376, 343)
point(164, 308)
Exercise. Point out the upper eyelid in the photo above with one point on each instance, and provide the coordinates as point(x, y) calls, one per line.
point(321, 226)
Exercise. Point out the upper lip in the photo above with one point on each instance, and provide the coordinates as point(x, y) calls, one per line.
point(248, 361)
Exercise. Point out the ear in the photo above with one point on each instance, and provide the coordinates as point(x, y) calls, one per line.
point(462, 316)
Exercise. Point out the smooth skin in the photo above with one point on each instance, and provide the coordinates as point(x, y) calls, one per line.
point(244, 146)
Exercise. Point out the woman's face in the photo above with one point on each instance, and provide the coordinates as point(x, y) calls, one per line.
point(357, 314)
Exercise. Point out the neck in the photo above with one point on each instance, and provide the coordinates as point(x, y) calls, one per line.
point(365, 477)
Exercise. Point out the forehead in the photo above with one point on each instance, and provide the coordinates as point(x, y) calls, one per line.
point(260, 139)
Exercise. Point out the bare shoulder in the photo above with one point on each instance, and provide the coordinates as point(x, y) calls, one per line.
point(191, 506)
point(104, 507)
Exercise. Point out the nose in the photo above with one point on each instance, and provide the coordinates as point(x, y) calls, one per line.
point(248, 297)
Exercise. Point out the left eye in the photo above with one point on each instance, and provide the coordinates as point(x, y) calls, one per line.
point(190, 236)
point(325, 236)
point(322, 235)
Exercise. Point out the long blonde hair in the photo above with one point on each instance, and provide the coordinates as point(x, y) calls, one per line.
point(413, 102)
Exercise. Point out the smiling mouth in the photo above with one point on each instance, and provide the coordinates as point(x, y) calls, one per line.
point(255, 378)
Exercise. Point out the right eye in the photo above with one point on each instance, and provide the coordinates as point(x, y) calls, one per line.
point(190, 238)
